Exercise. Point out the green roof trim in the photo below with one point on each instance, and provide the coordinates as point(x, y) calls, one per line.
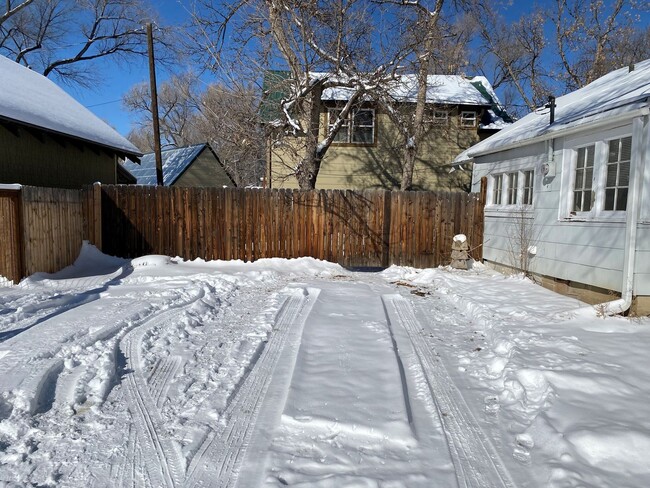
point(273, 91)
point(496, 108)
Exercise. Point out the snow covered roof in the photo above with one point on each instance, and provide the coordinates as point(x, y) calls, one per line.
point(442, 89)
point(175, 161)
point(29, 98)
point(615, 94)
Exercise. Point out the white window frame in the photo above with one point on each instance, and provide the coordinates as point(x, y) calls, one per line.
point(468, 119)
point(496, 189)
point(601, 142)
point(528, 191)
point(346, 132)
point(439, 116)
point(511, 198)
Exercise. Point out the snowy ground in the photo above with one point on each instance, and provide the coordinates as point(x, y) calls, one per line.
point(158, 372)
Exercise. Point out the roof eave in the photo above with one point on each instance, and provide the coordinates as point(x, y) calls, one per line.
point(119, 151)
point(557, 131)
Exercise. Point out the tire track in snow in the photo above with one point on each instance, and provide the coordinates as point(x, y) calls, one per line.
point(164, 371)
point(162, 457)
point(218, 460)
point(476, 461)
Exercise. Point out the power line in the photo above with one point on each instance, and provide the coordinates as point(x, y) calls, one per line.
point(103, 103)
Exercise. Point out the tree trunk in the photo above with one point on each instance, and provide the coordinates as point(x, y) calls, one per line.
point(307, 170)
point(410, 151)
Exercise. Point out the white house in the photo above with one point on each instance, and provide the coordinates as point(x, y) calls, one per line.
point(576, 172)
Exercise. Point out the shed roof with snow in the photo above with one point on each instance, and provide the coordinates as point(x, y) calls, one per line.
point(176, 164)
point(30, 99)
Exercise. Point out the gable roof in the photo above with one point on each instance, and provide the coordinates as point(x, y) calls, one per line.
point(29, 98)
point(617, 94)
point(441, 90)
point(175, 162)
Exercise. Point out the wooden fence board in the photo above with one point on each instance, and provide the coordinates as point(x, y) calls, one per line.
point(43, 228)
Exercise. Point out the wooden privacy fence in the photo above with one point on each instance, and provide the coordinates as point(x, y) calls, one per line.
point(41, 229)
point(353, 228)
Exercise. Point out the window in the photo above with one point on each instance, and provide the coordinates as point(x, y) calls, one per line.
point(468, 119)
point(358, 127)
point(618, 173)
point(439, 117)
point(583, 194)
point(529, 176)
point(599, 177)
point(497, 188)
point(512, 188)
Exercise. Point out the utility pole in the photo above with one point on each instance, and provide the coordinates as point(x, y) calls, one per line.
point(154, 107)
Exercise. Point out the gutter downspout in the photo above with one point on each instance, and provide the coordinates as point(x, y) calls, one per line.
point(640, 155)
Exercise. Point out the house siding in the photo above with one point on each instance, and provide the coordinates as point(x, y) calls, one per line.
point(379, 165)
point(587, 252)
point(205, 171)
point(28, 160)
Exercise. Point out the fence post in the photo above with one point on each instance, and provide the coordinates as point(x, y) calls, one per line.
point(385, 237)
point(97, 215)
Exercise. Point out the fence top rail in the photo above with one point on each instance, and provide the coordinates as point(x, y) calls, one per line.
point(437, 193)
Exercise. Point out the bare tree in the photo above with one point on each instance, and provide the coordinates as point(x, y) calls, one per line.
point(323, 46)
point(516, 50)
point(12, 8)
point(177, 102)
point(60, 37)
point(588, 38)
point(425, 39)
point(227, 118)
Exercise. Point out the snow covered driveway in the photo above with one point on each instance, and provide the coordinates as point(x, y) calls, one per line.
point(157, 372)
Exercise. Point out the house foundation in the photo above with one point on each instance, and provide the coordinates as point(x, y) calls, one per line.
point(580, 291)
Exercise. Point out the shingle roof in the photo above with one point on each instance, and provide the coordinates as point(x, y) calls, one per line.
point(28, 98)
point(175, 161)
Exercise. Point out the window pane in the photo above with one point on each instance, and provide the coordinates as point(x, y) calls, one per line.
point(618, 174)
point(333, 115)
point(590, 155)
point(363, 117)
point(577, 201)
point(496, 189)
point(626, 148)
point(362, 135)
point(341, 135)
point(613, 151)
point(589, 178)
point(610, 194)
point(579, 179)
point(588, 201)
point(611, 174)
point(621, 199)
point(624, 174)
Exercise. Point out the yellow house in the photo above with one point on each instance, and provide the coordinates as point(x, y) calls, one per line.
point(367, 152)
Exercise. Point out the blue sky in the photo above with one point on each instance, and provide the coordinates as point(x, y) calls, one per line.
point(105, 100)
